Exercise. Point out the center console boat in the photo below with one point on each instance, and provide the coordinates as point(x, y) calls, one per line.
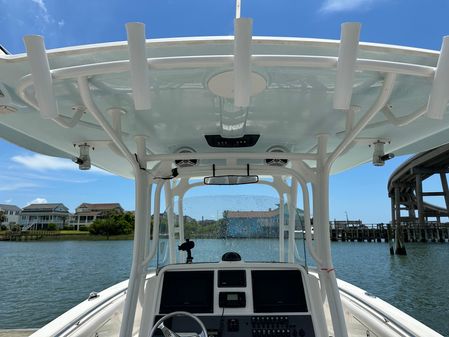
point(239, 111)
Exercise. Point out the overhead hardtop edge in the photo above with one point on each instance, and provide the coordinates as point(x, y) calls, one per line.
point(204, 40)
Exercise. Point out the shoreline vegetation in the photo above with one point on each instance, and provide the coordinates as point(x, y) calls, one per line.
point(60, 235)
point(112, 226)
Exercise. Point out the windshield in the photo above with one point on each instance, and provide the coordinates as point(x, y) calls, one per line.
point(249, 221)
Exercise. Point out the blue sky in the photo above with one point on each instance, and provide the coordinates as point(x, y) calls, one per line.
point(27, 177)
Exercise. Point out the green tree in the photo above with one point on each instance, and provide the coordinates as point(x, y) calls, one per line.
point(51, 227)
point(113, 223)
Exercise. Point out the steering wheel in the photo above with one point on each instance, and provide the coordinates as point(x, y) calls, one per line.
point(169, 333)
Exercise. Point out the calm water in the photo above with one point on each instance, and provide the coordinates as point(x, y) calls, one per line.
point(41, 280)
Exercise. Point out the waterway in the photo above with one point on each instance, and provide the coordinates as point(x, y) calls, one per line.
point(41, 280)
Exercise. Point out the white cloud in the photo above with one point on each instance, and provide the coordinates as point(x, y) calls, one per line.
point(8, 201)
point(345, 5)
point(64, 178)
point(12, 186)
point(43, 9)
point(39, 162)
point(38, 201)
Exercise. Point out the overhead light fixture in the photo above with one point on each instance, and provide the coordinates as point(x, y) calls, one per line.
point(83, 160)
point(379, 156)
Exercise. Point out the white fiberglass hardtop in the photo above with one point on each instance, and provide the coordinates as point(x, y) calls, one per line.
point(180, 114)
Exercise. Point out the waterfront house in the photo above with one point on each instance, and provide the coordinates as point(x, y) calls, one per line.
point(10, 215)
point(86, 214)
point(252, 223)
point(39, 216)
point(257, 224)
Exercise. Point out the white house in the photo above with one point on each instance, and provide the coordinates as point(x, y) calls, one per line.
point(86, 214)
point(38, 216)
point(10, 214)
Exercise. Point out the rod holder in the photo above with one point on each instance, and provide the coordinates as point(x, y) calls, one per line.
point(439, 94)
point(42, 79)
point(242, 61)
point(140, 82)
point(347, 57)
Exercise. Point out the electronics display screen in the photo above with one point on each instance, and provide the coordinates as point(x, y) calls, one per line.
point(233, 299)
point(191, 291)
point(278, 291)
point(231, 278)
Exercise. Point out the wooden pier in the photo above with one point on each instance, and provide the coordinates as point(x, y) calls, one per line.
point(30, 235)
point(356, 231)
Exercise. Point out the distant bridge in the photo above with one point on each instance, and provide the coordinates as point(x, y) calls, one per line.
point(405, 188)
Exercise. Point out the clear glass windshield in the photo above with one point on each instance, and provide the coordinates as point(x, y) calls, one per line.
point(252, 222)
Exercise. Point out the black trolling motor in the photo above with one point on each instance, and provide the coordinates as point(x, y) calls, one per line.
point(187, 247)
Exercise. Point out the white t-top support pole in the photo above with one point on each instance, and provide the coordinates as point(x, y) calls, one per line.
point(181, 217)
point(142, 196)
point(321, 214)
point(292, 203)
point(281, 228)
point(170, 220)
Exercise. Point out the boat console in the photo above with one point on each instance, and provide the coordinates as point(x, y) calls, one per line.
point(239, 299)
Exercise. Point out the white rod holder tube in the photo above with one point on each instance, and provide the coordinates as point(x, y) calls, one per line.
point(242, 61)
point(439, 95)
point(140, 81)
point(347, 57)
point(40, 72)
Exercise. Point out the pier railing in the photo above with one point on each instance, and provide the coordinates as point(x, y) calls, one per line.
point(29, 235)
point(384, 232)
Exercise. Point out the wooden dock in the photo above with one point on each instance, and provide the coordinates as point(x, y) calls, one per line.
point(30, 235)
point(358, 232)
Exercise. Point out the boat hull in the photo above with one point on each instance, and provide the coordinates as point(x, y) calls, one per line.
point(365, 315)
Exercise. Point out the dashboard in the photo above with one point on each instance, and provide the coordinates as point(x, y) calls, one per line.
point(241, 300)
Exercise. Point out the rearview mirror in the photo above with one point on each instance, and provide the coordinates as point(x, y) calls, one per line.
point(231, 180)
